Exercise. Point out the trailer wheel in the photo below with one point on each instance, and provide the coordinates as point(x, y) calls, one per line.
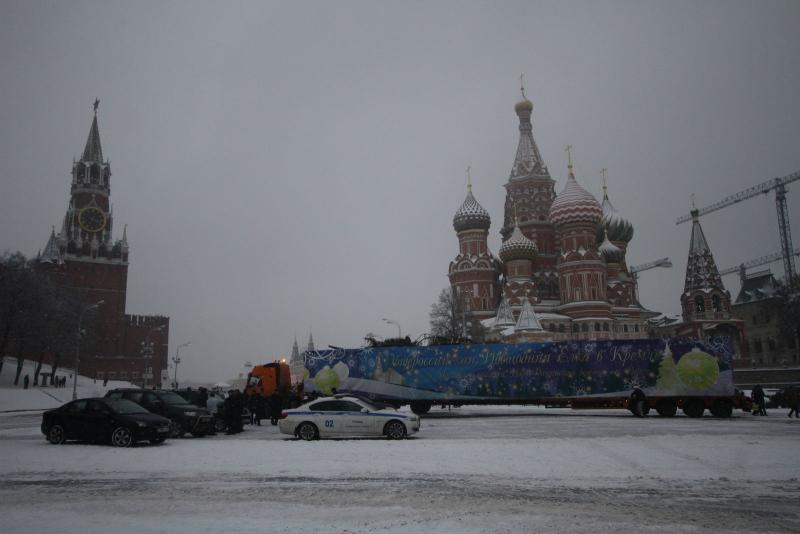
point(421, 407)
point(721, 408)
point(694, 408)
point(667, 408)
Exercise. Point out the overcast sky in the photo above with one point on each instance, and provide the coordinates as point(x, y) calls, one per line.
point(286, 168)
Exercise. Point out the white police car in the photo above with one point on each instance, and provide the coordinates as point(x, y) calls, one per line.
point(343, 416)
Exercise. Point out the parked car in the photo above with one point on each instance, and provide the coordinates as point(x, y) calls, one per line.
point(346, 416)
point(117, 421)
point(184, 417)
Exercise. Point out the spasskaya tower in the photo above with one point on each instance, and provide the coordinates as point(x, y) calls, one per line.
point(85, 256)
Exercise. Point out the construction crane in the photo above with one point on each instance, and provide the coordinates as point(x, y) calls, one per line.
point(636, 269)
point(763, 260)
point(779, 185)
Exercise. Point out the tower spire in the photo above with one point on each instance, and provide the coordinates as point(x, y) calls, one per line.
point(568, 150)
point(93, 150)
point(603, 172)
point(528, 160)
point(469, 179)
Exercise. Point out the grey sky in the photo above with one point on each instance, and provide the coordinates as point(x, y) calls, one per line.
point(290, 167)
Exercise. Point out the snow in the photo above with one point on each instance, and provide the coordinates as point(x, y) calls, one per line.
point(472, 469)
point(16, 398)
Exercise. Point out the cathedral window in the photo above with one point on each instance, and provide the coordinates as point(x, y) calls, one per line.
point(605, 327)
point(585, 327)
point(716, 304)
point(596, 327)
point(636, 328)
point(757, 347)
point(561, 328)
point(771, 344)
point(625, 328)
point(552, 327)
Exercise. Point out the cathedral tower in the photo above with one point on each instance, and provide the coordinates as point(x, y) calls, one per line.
point(474, 272)
point(581, 268)
point(529, 193)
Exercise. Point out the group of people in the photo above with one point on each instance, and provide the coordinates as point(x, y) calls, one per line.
point(789, 397)
point(230, 408)
point(263, 408)
point(58, 382)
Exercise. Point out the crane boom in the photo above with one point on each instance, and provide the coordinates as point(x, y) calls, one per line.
point(756, 190)
point(650, 265)
point(763, 260)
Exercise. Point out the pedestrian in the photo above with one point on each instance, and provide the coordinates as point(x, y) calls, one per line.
point(202, 396)
point(758, 401)
point(792, 397)
point(234, 405)
point(251, 407)
point(275, 407)
point(261, 409)
point(26, 381)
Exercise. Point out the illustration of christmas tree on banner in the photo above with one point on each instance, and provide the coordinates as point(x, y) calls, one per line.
point(668, 380)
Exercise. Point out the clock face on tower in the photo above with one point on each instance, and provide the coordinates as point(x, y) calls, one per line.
point(91, 219)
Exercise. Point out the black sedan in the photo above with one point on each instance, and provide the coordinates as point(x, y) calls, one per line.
point(119, 422)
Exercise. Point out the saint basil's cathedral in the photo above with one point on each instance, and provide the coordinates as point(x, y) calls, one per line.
point(561, 272)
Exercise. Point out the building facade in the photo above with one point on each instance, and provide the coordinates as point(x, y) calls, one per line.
point(85, 256)
point(769, 345)
point(561, 272)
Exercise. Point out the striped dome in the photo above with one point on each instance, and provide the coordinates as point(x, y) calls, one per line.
point(517, 247)
point(471, 215)
point(575, 204)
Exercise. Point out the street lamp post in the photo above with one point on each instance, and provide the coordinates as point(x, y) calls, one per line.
point(176, 360)
point(78, 347)
point(147, 354)
point(392, 321)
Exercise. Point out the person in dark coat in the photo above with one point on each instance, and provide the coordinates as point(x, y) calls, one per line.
point(202, 397)
point(792, 399)
point(233, 412)
point(758, 398)
point(261, 409)
point(26, 381)
point(275, 407)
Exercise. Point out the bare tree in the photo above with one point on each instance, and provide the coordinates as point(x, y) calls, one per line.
point(38, 316)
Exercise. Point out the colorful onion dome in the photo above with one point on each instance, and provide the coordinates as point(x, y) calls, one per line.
point(618, 227)
point(471, 215)
point(517, 247)
point(575, 204)
point(611, 252)
point(523, 106)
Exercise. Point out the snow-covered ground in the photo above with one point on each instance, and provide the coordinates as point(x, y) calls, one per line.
point(490, 469)
point(16, 398)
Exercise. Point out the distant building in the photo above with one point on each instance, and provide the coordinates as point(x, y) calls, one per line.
point(561, 272)
point(85, 256)
point(773, 352)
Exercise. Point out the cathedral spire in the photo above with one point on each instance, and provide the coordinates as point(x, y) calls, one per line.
point(528, 160)
point(310, 347)
point(51, 252)
point(701, 270)
point(93, 151)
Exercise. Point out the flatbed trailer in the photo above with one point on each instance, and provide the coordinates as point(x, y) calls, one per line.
point(640, 375)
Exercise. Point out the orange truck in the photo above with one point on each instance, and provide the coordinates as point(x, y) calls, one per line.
point(269, 378)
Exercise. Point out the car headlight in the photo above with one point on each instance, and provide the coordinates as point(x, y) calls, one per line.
point(190, 414)
point(141, 425)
